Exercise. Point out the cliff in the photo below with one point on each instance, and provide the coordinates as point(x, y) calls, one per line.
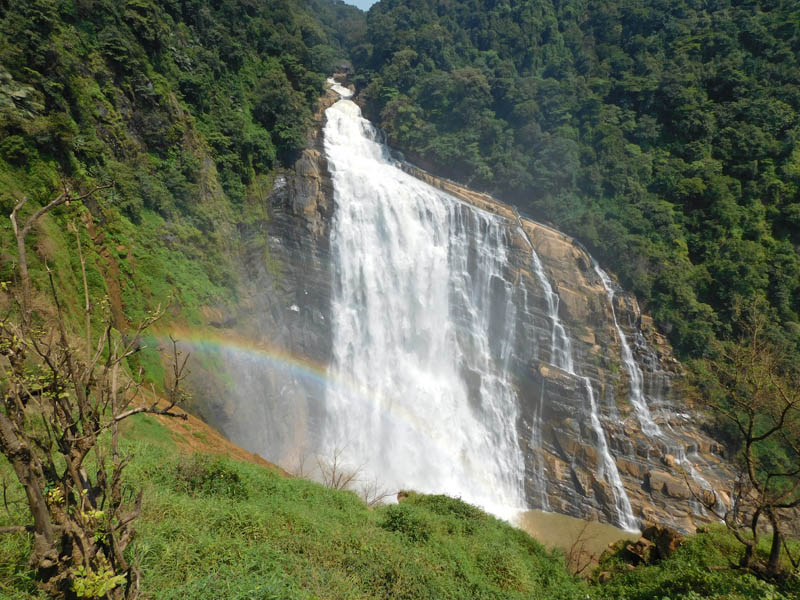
point(565, 452)
point(253, 365)
point(259, 374)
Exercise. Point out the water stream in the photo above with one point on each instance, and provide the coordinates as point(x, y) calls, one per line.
point(639, 401)
point(561, 357)
point(423, 327)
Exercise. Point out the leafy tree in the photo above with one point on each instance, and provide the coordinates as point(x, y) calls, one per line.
point(590, 115)
point(755, 390)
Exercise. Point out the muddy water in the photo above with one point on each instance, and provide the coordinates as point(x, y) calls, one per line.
point(561, 531)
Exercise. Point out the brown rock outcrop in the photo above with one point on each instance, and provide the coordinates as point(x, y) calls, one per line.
point(286, 304)
point(651, 474)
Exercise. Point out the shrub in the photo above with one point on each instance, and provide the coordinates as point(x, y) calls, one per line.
point(15, 150)
point(209, 476)
point(405, 519)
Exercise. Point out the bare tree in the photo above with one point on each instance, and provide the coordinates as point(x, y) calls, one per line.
point(297, 464)
point(21, 232)
point(335, 473)
point(756, 389)
point(59, 430)
point(578, 556)
point(373, 493)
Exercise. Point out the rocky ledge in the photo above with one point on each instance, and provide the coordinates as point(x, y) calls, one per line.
point(662, 471)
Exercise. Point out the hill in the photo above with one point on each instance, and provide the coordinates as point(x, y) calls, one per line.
point(662, 135)
point(213, 527)
point(189, 108)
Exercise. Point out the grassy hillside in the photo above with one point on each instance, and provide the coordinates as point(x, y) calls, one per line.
point(663, 135)
point(212, 528)
point(216, 528)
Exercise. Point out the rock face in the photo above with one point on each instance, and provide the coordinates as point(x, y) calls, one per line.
point(564, 467)
point(257, 375)
point(276, 348)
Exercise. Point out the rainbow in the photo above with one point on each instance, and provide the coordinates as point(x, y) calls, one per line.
point(203, 341)
point(276, 357)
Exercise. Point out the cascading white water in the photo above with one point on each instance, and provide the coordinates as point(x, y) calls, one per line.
point(649, 427)
point(625, 517)
point(423, 328)
point(637, 396)
point(560, 346)
point(561, 357)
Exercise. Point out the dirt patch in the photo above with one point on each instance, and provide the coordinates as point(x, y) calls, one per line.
point(193, 435)
point(584, 540)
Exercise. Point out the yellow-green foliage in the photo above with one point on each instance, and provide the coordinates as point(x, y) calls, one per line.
point(95, 584)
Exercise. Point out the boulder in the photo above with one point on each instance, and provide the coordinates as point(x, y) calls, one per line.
point(666, 540)
point(668, 485)
point(641, 552)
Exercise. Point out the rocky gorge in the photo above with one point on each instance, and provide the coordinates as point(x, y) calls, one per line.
point(578, 396)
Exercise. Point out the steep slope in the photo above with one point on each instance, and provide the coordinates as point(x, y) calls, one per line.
point(218, 528)
point(661, 134)
point(191, 109)
point(582, 340)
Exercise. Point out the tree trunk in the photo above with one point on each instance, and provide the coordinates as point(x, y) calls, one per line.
point(774, 563)
point(30, 474)
point(25, 280)
point(747, 557)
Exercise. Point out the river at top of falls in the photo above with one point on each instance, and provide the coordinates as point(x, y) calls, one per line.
point(423, 328)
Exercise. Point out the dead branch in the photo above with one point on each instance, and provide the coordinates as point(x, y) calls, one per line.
point(79, 519)
point(577, 557)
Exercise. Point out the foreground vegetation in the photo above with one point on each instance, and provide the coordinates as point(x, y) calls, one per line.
point(215, 528)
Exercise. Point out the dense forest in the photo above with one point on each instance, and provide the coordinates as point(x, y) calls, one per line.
point(188, 107)
point(663, 135)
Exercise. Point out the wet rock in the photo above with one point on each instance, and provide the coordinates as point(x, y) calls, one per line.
point(642, 551)
point(602, 492)
point(669, 485)
point(631, 468)
point(581, 481)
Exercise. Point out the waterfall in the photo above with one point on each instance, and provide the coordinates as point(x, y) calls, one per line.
point(560, 346)
point(637, 397)
point(561, 357)
point(423, 329)
point(649, 427)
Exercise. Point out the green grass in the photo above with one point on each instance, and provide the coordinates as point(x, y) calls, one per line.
point(291, 538)
point(215, 528)
point(697, 570)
